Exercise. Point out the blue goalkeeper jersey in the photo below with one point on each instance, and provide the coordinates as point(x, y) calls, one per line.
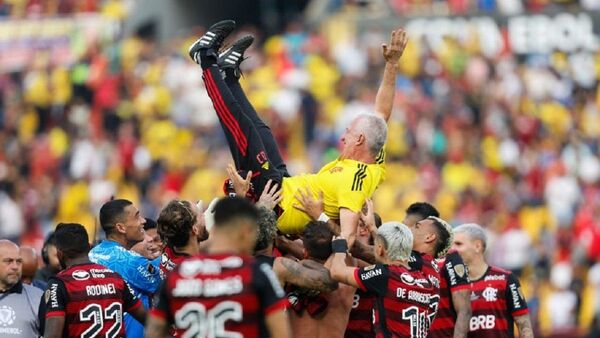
point(142, 275)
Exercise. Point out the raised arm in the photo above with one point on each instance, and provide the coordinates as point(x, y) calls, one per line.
point(311, 276)
point(339, 270)
point(392, 53)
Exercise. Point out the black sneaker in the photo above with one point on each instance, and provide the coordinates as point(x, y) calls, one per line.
point(212, 39)
point(232, 56)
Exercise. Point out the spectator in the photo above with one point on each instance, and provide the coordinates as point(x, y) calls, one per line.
point(18, 301)
point(12, 223)
point(124, 226)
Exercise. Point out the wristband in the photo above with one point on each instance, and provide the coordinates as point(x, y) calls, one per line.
point(339, 245)
point(323, 218)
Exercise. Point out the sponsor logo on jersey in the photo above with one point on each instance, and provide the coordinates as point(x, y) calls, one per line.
point(80, 275)
point(451, 273)
point(490, 294)
point(515, 295)
point(474, 296)
point(410, 280)
point(482, 322)
point(460, 270)
point(494, 277)
point(336, 170)
point(369, 274)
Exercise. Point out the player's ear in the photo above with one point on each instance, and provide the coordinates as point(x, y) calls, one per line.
point(120, 227)
point(361, 139)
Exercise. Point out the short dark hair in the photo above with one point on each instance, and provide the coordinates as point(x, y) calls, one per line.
point(111, 213)
point(378, 221)
point(71, 239)
point(150, 224)
point(228, 209)
point(317, 238)
point(422, 209)
point(175, 223)
point(267, 228)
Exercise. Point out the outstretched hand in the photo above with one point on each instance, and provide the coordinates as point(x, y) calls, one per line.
point(398, 42)
point(240, 185)
point(311, 206)
point(270, 197)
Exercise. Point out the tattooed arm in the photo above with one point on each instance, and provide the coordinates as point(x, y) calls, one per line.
point(307, 275)
point(524, 325)
point(461, 299)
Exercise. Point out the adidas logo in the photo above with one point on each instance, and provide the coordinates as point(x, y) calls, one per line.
point(207, 38)
point(233, 57)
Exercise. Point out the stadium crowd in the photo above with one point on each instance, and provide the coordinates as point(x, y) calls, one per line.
point(508, 142)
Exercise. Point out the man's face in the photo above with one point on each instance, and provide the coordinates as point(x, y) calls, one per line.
point(134, 224)
point(423, 232)
point(350, 137)
point(10, 266)
point(156, 241)
point(200, 223)
point(379, 249)
point(466, 247)
point(147, 248)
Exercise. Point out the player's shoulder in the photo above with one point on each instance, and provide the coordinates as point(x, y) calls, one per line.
point(499, 271)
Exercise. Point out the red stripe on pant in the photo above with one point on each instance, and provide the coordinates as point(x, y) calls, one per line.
point(212, 92)
point(225, 114)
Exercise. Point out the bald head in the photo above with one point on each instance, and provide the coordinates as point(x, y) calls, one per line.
point(10, 264)
point(6, 244)
point(30, 263)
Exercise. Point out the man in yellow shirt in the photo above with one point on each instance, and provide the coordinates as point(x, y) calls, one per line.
point(345, 183)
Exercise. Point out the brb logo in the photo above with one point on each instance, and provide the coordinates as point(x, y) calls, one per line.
point(482, 322)
point(7, 316)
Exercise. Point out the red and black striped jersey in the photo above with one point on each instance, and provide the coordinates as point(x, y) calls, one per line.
point(454, 276)
point(496, 298)
point(169, 260)
point(405, 302)
point(360, 322)
point(92, 299)
point(229, 295)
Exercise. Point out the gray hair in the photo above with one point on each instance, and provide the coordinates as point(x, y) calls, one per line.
point(374, 128)
point(397, 239)
point(475, 232)
point(267, 228)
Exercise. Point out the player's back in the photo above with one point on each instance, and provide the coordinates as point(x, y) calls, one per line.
point(95, 298)
point(332, 322)
point(344, 183)
point(360, 322)
point(409, 305)
point(229, 294)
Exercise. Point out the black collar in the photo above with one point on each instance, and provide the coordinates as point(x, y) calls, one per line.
point(17, 288)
